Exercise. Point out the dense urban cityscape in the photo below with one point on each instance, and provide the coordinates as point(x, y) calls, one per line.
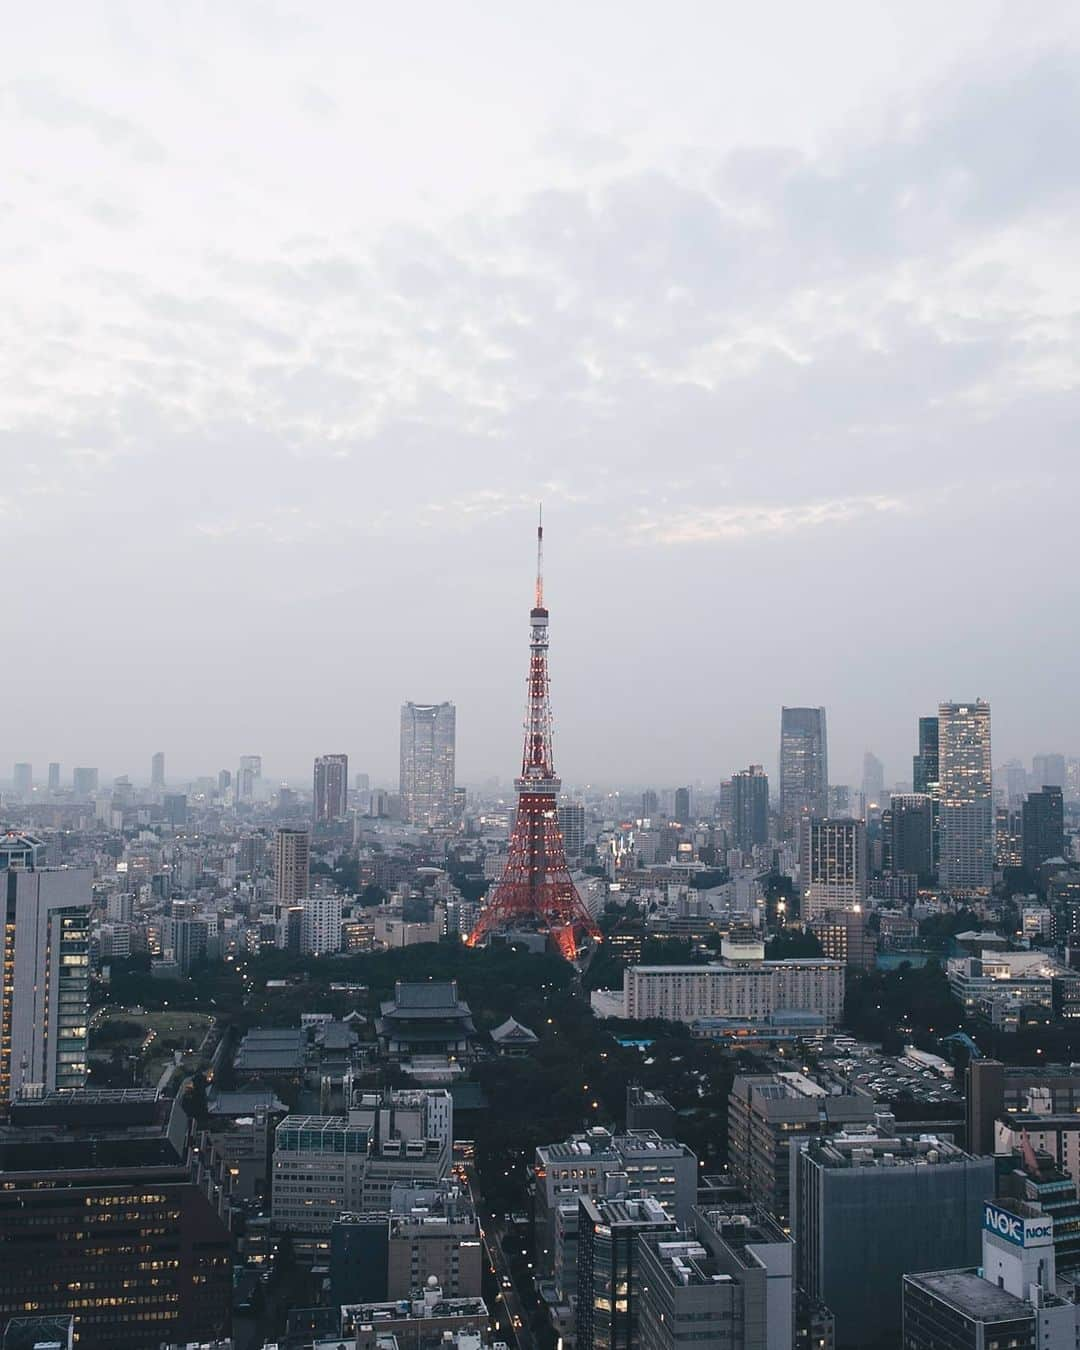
point(299, 1068)
point(540, 776)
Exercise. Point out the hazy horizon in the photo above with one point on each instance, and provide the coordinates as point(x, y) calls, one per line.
point(776, 311)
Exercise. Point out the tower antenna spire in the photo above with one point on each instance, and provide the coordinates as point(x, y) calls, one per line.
point(537, 892)
point(540, 559)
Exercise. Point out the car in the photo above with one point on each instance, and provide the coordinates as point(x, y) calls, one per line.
point(507, 1282)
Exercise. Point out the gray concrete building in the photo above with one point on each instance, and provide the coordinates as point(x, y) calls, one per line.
point(729, 1283)
point(869, 1207)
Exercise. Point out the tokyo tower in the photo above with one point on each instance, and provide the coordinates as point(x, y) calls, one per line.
point(536, 891)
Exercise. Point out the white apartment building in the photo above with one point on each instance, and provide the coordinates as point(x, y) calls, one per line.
point(320, 922)
point(747, 989)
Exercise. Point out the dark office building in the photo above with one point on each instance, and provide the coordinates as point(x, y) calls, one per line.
point(804, 766)
point(607, 1311)
point(99, 1219)
point(650, 804)
point(750, 807)
point(924, 766)
point(359, 1258)
point(907, 829)
point(174, 805)
point(1043, 827)
point(682, 805)
point(870, 1207)
point(648, 1110)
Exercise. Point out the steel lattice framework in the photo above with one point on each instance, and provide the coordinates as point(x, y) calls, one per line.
point(536, 891)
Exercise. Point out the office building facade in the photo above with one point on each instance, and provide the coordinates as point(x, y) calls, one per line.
point(44, 996)
point(833, 867)
point(608, 1280)
point(1042, 827)
point(750, 808)
point(908, 836)
point(744, 989)
point(330, 793)
point(727, 1282)
point(870, 1207)
point(804, 766)
point(292, 866)
point(572, 826)
point(967, 800)
point(428, 749)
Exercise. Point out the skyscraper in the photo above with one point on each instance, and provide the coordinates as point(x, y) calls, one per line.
point(832, 865)
point(650, 804)
point(44, 995)
point(248, 778)
point(1048, 771)
point(1043, 827)
point(608, 1287)
point(157, 770)
point(910, 836)
point(572, 825)
point(54, 777)
point(750, 807)
point(331, 791)
point(682, 805)
point(967, 799)
point(924, 766)
point(428, 734)
point(85, 782)
point(804, 765)
point(23, 779)
point(873, 780)
point(292, 865)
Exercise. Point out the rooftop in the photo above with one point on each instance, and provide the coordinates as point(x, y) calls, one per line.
point(975, 1297)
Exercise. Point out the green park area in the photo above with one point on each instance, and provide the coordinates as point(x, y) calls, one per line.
point(130, 1047)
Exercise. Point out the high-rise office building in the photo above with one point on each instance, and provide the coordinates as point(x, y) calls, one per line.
point(967, 798)
point(23, 779)
point(85, 782)
point(804, 766)
point(1014, 782)
point(1043, 827)
point(362, 782)
point(292, 865)
point(750, 807)
point(100, 1219)
point(729, 1282)
point(924, 766)
point(650, 804)
point(44, 996)
point(157, 769)
point(54, 777)
point(832, 865)
point(870, 1206)
point(428, 734)
point(873, 780)
point(1048, 771)
point(248, 778)
point(682, 805)
point(572, 825)
point(174, 805)
point(331, 789)
point(909, 839)
point(607, 1267)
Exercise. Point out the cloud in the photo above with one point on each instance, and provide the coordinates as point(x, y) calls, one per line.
point(41, 101)
point(737, 523)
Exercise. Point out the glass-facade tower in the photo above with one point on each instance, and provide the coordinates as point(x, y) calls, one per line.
point(428, 739)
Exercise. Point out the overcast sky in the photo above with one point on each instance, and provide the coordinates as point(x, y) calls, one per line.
point(305, 306)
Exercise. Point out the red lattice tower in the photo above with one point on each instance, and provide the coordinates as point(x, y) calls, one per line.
point(536, 891)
